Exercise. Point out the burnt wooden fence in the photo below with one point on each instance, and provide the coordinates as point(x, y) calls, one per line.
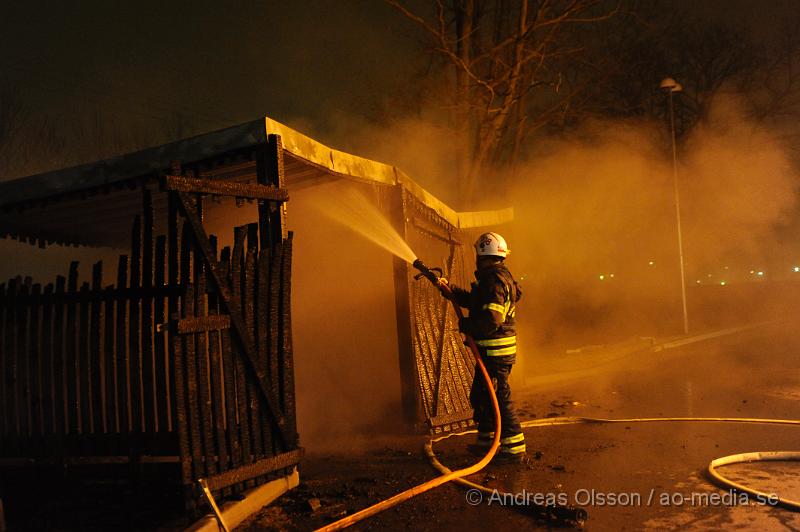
point(185, 361)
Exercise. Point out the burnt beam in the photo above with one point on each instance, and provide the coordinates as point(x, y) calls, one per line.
point(212, 322)
point(449, 419)
point(256, 469)
point(225, 188)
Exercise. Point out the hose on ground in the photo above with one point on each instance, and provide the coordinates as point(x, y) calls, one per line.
point(446, 477)
point(712, 467)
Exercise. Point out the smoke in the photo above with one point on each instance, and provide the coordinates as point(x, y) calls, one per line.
point(344, 328)
point(417, 144)
point(599, 203)
point(595, 232)
point(595, 236)
point(739, 186)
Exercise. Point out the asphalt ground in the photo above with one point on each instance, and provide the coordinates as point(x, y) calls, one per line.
point(630, 476)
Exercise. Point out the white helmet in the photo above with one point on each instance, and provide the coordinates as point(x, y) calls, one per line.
point(491, 244)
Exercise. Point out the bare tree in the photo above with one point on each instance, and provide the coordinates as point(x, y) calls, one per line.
point(775, 85)
point(644, 46)
point(506, 62)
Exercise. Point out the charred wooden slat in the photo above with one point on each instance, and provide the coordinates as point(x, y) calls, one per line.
point(225, 188)
point(135, 340)
point(160, 377)
point(5, 334)
point(149, 412)
point(274, 330)
point(12, 390)
point(60, 401)
point(97, 362)
point(72, 385)
point(190, 362)
point(22, 364)
point(287, 350)
point(203, 324)
point(179, 404)
point(231, 413)
point(263, 178)
point(203, 377)
point(35, 365)
point(83, 367)
point(217, 395)
point(186, 262)
point(123, 352)
point(262, 334)
point(109, 355)
point(256, 469)
point(229, 375)
point(248, 303)
point(174, 232)
point(241, 376)
point(47, 374)
point(213, 242)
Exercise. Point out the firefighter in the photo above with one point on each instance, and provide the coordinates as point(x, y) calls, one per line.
point(492, 302)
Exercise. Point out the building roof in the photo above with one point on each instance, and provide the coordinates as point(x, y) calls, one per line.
point(36, 206)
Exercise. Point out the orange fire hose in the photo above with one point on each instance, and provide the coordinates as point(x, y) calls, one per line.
point(438, 481)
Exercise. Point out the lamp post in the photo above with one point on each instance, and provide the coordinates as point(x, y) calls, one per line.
point(671, 86)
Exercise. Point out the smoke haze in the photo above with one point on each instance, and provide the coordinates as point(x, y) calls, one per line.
point(601, 202)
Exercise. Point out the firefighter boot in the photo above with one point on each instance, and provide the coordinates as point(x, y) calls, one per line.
point(481, 446)
point(512, 449)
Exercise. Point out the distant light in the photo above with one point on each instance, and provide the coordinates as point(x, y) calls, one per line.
point(602, 277)
point(722, 283)
point(709, 275)
point(698, 281)
point(797, 268)
point(726, 267)
point(761, 273)
point(651, 263)
point(611, 275)
point(752, 271)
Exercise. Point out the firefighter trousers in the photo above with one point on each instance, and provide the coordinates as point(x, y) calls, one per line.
point(499, 369)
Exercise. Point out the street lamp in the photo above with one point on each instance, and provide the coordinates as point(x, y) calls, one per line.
point(671, 86)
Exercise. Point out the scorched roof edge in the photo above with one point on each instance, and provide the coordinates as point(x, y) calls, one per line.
point(131, 165)
point(159, 158)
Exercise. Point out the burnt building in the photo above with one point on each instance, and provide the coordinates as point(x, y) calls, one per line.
point(174, 361)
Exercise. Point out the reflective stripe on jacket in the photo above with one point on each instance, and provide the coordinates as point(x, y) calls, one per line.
point(492, 308)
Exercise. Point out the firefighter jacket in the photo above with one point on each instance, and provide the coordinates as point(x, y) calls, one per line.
point(492, 306)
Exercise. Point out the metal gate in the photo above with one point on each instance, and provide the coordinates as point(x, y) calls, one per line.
point(436, 367)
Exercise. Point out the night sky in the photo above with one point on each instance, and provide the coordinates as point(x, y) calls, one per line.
point(215, 63)
point(221, 63)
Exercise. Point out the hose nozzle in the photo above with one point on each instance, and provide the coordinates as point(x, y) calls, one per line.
point(428, 273)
